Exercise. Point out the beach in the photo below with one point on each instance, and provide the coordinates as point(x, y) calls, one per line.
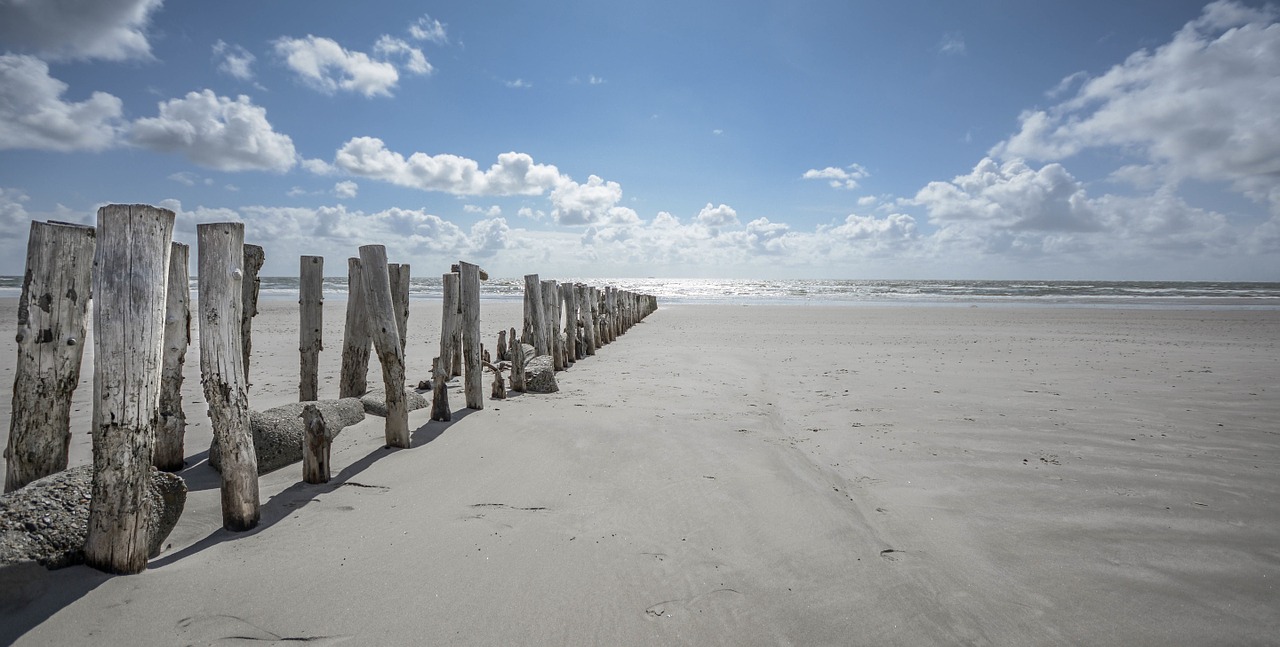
point(744, 474)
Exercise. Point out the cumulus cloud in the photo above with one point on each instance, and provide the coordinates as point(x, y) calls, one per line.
point(513, 174)
point(1201, 106)
point(721, 216)
point(1011, 195)
point(429, 29)
point(585, 204)
point(412, 58)
point(234, 60)
point(78, 29)
point(346, 189)
point(838, 178)
point(329, 67)
point(34, 116)
point(216, 132)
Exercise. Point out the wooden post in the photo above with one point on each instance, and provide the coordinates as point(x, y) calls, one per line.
point(535, 325)
point(451, 326)
point(398, 273)
point(611, 310)
point(51, 335)
point(440, 390)
point(310, 326)
point(570, 323)
point(469, 297)
point(598, 316)
point(502, 345)
point(315, 446)
point(221, 270)
point(171, 422)
point(129, 284)
point(254, 257)
point(550, 294)
point(353, 381)
point(382, 327)
point(517, 368)
point(588, 320)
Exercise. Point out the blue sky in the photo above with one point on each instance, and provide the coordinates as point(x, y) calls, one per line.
point(855, 139)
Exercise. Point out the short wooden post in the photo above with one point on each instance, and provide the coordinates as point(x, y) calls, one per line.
point(169, 453)
point(398, 273)
point(535, 324)
point(386, 341)
point(469, 297)
point(440, 390)
point(254, 257)
point(550, 292)
point(129, 284)
point(502, 345)
point(517, 368)
point(315, 446)
point(451, 326)
point(353, 381)
point(588, 320)
point(52, 313)
point(221, 270)
point(310, 326)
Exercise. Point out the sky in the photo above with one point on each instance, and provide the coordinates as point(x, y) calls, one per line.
point(850, 139)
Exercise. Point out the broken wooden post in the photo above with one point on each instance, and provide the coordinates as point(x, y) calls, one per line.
point(310, 326)
point(549, 300)
point(588, 320)
point(52, 314)
point(502, 345)
point(440, 390)
point(398, 273)
point(315, 446)
point(171, 422)
point(499, 391)
point(129, 284)
point(451, 326)
point(254, 257)
point(469, 298)
point(386, 341)
point(353, 381)
point(535, 325)
point(221, 270)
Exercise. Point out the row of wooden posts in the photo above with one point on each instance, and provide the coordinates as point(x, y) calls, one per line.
point(138, 278)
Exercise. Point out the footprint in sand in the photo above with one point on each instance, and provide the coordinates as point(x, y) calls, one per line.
point(891, 554)
point(231, 630)
point(695, 604)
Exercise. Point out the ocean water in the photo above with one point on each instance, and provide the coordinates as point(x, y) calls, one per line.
point(850, 291)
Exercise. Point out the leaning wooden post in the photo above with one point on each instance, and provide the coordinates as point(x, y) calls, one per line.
point(549, 294)
point(398, 273)
point(450, 326)
point(588, 320)
point(535, 325)
point(51, 329)
point(469, 297)
point(353, 381)
point(310, 326)
point(315, 446)
point(382, 320)
point(254, 257)
point(129, 283)
point(171, 421)
point(221, 270)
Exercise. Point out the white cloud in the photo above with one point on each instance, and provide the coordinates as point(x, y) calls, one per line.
point(328, 67)
point(493, 211)
point(14, 220)
point(838, 178)
point(34, 116)
point(584, 204)
point(488, 237)
point(1202, 106)
point(518, 83)
point(216, 132)
point(413, 59)
point(952, 44)
point(513, 174)
point(1012, 196)
point(346, 189)
point(721, 216)
point(532, 214)
point(189, 179)
point(234, 60)
point(78, 29)
point(429, 29)
point(596, 80)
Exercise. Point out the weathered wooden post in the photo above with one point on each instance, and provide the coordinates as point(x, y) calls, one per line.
point(221, 270)
point(611, 310)
point(440, 390)
point(310, 326)
point(469, 297)
point(588, 320)
point(598, 316)
point(549, 300)
point(502, 345)
point(254, 257)
point(171, 421)
point(398, 273)
point(451, 325)
point(353, 381)
point(316, 446)
point(517, 368)
point(129, 284)
point(386, 341)
point(570, 323)
point(51, 335)
point(535, 324)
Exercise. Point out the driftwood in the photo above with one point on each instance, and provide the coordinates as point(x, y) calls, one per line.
point(171, 421)
point(316, 446)
point(52, 314)
point(469, 297)
point(353, 381)
point(132, 260)
point(310, 326)
point(254, 257)
point(484, 276)
point(386, 340)
point(499, 390)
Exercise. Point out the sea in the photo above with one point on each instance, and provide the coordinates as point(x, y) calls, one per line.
point(850, 292)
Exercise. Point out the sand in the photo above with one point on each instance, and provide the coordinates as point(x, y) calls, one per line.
point(749, 475)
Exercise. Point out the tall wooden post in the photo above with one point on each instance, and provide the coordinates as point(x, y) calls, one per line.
point(469, 296)
point(129, 284)
point(386, 340)
point(51, 336)
point(535, 325)
point(221, 271)
point(549, 302)
point(398, 273)
point(570, 301)
point(310, 326)
point(588, 320)
point(451, 326)
point(611, 310)
point(353, 381)
point(254, 257)
point(171, 421)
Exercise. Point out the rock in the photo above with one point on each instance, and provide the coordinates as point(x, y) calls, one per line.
point(47, 520)
point(278, 432)
point(375, 402)
point(540, 375)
